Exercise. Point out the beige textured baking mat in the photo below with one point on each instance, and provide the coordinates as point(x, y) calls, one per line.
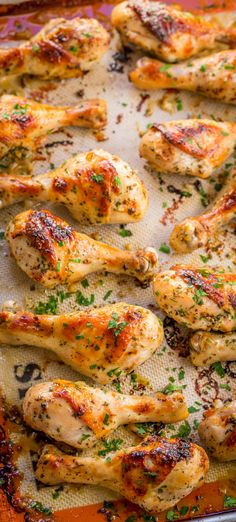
point(172, 198)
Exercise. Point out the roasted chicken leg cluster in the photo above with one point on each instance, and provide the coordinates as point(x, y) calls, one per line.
point(96, 187)
point(26, 124)
point(155, 475)
point(210, 347)
point(51, 252)
point(195, 232)
point(63, 48)
point(218, 430)
point(74, 413)
point(192, 147)
point(165, 30)
point(199, 298)
point(100, 343)
point(213, 76)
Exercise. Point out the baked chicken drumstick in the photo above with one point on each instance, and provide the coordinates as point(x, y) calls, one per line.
point(218, 430)
point(199, 298)
point(213, 76)
point(209, 347)
point(95, 186)
point(195, 232)
point(74, 413)
point(100, 343)
point(156, 474)
point(51, 252)
point(63, 48)
point(26, 124)
point(193, 147)
point(165, 31)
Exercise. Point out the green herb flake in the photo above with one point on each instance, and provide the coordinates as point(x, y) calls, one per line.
point(107, 295)
point(184, 430)
point(49, 307)
point(98, 178)
point(112, 445)
point(106, 419)
point(217, 366)
point(164, 248)
point(229, 502)
point(124, 232)
point(84, 301)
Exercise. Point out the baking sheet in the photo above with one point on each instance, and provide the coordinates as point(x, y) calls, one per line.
point(130, 112)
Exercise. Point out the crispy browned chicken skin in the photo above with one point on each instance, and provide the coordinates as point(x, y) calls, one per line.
point(155, 475)
point(100, 343)
point(193, 147)
point(218, 430)
point(199, 298)
point(51, 252)
point(213, 76)
point(165, 31)
point(74, 413)
point(96, 187)
point(63, 48)
point(26, 124)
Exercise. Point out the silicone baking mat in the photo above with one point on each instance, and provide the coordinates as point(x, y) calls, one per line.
point(172, 198)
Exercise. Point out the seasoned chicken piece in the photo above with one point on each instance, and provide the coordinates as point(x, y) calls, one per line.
point(156, 474)
point(165, 31)
point(63, 48)
point(213, 76)
point(51, 252)
point(100, 343)
point(74, 413)
point(195, 232)
point(218, 430)
point(95, 186)
point(199, 298)
point(26, 124)
point(191, 147)
point(208, 347)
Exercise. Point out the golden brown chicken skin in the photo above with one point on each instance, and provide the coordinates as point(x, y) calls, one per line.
point(195, 232)
point(63, 48)
point(26, 124)
point(165, 31)
point(209, 347)
point(218, 430)
point(100, 343)
point(74, 413)
point(213, 76)
point(51, 252)
point(193, 147)
point(155, 475)
point(95, 186)
point(199, 298)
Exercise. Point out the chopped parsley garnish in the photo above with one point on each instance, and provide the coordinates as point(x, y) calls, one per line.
point(205, 258)
point(107, 295)
point(84, 301)
point(165, 68)
point(203, 68)
point(106, 419)
point(217, 366)
point(112, 445)
point(116, 326)
point(2, 234)
point(117, 181)
point(170, 388)
point(115, 371)
point(198, 296)
point(184, 430)
point(192, 409)
point(49, 307)
point(164, 248)
point(229, 501)
point(85, 283)
point(179, 104)
point(123, 232)
point(98, 178)
point(75, 260)
point(39, 507)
